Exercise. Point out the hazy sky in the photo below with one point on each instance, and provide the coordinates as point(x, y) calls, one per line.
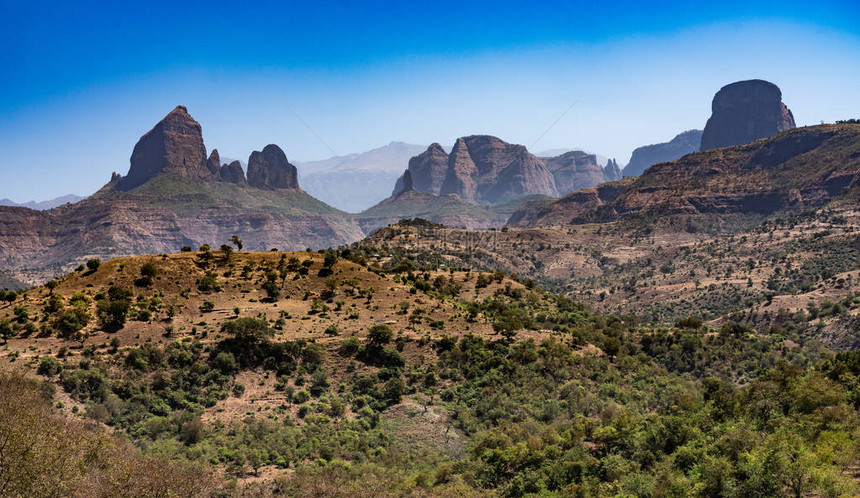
point(81, 82)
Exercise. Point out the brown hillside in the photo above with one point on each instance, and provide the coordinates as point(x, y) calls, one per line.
point(793, 171)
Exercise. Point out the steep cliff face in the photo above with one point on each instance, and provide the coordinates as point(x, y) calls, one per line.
point(461, 174)
point(745, 111)
point(480, 169)
point(407, 181)
point(574, 170)
point(270, 169)
point(429, 168)
point(796, 170)
point(649, 155)
point(174, 145)
point(485, 170)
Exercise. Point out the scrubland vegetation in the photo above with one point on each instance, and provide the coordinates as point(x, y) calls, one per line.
point(370, 372)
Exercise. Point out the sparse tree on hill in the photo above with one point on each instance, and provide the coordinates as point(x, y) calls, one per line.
point(236, 241)
point(273, 290)
point(380, 335)
point(6, 330)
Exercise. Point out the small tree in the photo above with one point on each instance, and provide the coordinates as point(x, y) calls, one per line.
point(393, 391)
point(114, 311)
point(10, 297)
point(6, 330)
point(149, 270)
point(236, 241)
point(273, 290)
point(94, 263)
point(380, 335)
point(227, 249)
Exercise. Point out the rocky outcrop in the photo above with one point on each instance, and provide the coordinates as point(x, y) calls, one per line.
point(461, 173)
point(407, 181)
point(480, 169)
point(649, 155)
point(174, 145)
point(213, 165)
point(173, 196)
point(428, 170)
point(232, 173)
point(485, 170)
point(270, 169)
point(745, 111)
point(611, 171)
point(574, 170)
point(794, 171)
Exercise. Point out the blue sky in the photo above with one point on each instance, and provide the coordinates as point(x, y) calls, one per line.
point(83, 80)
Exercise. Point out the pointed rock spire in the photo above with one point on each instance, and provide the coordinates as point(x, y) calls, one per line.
point(213, 165)
point(174, 145)
point(407, 181)
point(612, 172)
point(461, 173)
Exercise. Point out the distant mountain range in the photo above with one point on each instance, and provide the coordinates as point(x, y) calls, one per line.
point(175, 195)
point(44, 205)
point(355, 182)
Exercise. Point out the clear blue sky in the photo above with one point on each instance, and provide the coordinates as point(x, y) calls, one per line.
point(82, 81)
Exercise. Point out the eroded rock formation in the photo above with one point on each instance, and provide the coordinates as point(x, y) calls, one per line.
point(174, 145)
point(270, 169)
point(745, 111)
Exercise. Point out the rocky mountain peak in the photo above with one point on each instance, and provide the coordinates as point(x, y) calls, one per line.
point(745, 111)
point(436, 149)
point(428, 170)
point(213, 164)
point(270, 169)
point(461, 173)
point(574, 170)
point(174, 145)
point(611, 171)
